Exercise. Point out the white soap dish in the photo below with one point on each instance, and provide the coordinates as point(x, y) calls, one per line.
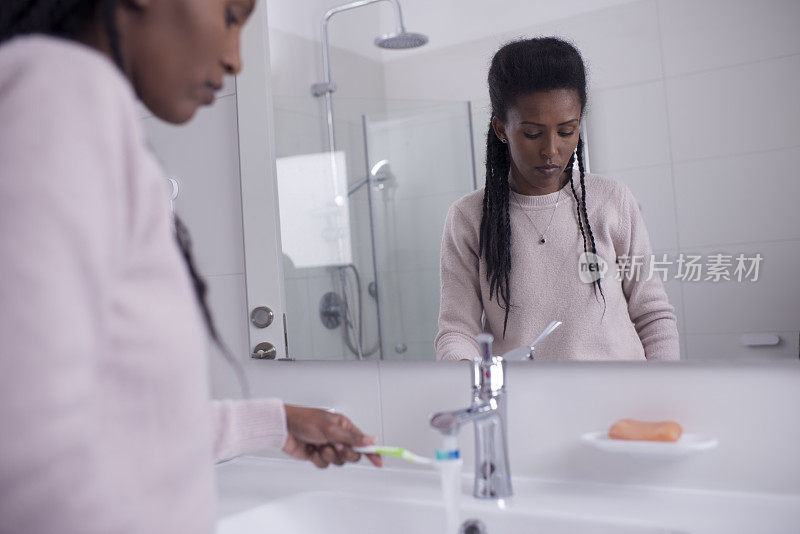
point(687, 444)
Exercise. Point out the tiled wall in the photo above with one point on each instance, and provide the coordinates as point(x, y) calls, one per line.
point(203, 156)
point(692, 104)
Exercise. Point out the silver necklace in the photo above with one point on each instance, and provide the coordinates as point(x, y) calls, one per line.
point(542, 238)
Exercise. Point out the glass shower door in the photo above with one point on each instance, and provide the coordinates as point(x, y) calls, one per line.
point(420, 159)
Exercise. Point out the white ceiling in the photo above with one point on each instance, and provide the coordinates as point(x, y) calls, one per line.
point(445, 22)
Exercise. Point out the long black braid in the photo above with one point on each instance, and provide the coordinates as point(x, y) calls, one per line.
point(67, 18)
point(519, 68)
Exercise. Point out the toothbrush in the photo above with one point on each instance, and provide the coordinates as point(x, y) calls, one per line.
point(398, 452)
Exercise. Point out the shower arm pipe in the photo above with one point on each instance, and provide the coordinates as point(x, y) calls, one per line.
point(327, 85)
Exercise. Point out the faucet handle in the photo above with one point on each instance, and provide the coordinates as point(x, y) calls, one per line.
point(525, 352)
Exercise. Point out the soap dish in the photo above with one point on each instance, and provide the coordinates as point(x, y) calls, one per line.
point(687, 444)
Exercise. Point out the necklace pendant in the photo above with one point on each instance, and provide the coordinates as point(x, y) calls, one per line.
point(542, 240)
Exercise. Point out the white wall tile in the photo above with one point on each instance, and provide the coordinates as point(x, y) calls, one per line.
point(300, 311)
point(619, 45)
point(706, 34)
point(423, 76)
point(203, 156)
point(769, 304)
point(481, 115)
point(298, 131)
point(412, 392)
point(428, 149)
point(675, 296)
point(420, 223)
point(628, 127)
point(350, 388)
point(327, 344)
point(728, 348)
point(653, 189)
point(740, 198)
point(296, 64)
point(735, 110)
point(419, 305)
point(420, 351)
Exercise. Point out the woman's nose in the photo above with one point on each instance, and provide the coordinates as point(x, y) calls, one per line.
point(549, 148)
point(232, 61)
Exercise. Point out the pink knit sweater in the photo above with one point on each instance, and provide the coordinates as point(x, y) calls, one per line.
point(638, 322)
point(105, 416)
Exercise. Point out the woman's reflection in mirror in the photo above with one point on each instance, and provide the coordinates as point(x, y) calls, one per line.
point(542, 240)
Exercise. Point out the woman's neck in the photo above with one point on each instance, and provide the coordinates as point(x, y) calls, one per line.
point(522, 187)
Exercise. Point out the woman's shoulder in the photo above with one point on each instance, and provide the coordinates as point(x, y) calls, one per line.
point(469, 206)
point(43, 64)
point(606, 193)
point(606, 186)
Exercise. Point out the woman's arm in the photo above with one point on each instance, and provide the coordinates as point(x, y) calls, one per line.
point(648, 305)
point(461, 307)
point(243, 426)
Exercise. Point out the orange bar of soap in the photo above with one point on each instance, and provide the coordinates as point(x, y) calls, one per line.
point(642, 430)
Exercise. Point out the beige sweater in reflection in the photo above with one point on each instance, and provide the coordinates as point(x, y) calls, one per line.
point(639, 322)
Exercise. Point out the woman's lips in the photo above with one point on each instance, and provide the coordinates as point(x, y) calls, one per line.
point(548, 170)
point(208, 96)
point(209, 92)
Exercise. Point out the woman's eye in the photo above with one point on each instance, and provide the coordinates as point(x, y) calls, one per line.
point(230, 18)
point(562, 134)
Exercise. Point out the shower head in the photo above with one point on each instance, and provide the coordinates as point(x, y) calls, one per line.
point(401, 41)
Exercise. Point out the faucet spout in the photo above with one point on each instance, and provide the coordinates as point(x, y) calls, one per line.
point(450, 423)
point(488, 413)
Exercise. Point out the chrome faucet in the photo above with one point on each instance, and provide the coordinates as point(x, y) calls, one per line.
point(488, 412)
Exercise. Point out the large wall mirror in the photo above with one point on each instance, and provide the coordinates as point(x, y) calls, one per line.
point(692, 105)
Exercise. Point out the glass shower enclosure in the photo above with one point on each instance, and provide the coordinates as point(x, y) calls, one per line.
point(361, 227)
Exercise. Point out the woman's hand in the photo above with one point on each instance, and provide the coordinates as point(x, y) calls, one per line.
point(324, 438)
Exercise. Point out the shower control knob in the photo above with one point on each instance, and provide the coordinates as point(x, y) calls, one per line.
point(264, 351)
point(261, 317)
point(472, 526)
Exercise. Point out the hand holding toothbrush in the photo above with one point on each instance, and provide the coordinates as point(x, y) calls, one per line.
point(324, 438)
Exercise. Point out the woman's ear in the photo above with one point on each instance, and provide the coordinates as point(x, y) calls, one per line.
point(499, 129)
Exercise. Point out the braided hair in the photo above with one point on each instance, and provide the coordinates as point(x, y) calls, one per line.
point(519, 68)
point(67, 18)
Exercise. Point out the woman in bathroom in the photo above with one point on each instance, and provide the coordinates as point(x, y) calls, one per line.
point(104, 405)
point(519, 252)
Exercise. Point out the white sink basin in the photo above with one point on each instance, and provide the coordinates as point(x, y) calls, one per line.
point(266, 496)
point(335, 513)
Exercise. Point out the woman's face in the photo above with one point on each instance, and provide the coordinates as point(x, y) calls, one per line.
point(176, 52)
point(542, 132)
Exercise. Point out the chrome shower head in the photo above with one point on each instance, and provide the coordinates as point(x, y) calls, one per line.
point(401, 41)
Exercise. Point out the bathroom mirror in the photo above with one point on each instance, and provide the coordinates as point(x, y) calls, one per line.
point(692, 105)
